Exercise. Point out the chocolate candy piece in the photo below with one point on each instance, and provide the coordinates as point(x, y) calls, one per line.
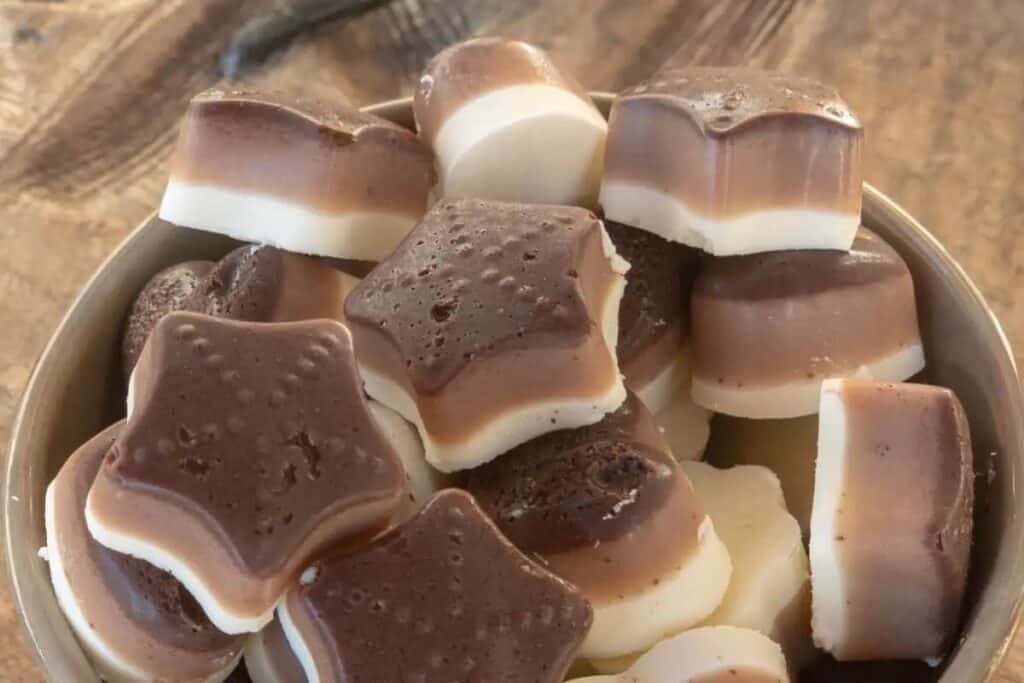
point(892, 520)
point(711, 654)
point(770, 589)
point(257, 441)
point(269, 657)
point(767, 329)
point(441, 597)
point(134, 621)
point(491, 325)
point(261, 284)
point(608, 509)
point(506, 124)
point(734, 161)
point(654, 313)
point(312, 177)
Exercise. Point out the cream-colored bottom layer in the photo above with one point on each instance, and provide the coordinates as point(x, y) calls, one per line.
point(529, 143)
point(705, 652)
point(104, 656)
point(828, 620)
point(681, 599)
point(794, 399)
point(644, 207)
point(264, 219)
point(659, 391)
point(685, 425)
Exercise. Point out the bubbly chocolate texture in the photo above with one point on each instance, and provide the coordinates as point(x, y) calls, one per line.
point(328, 156)
point(475, 278)
point(605, 507)
point(142, 612)
point(475, 67)
point(441, 597)
point(254, 433)
point(787, 301)
point(256, 283)
point(656, 303)
point(803, 130)
point(577, 487)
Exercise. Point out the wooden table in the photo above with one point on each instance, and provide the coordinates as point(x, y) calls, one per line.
point(90, 91)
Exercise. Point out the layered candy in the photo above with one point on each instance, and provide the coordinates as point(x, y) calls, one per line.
point(442, 597)
point(768, 328)
point(269, 657)
point(608, 509)
point(734, 161)
point(710, 654)
point(892, 521)
point(135, 622)
point(770, 589)
point(256, 283)
point(491, 324)
point(257, 440)
point(786, 447)
point(306, 176)
point(506, 124)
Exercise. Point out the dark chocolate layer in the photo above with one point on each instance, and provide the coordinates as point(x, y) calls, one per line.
point(720, 99)
point(256, 283)
point(260, 431)
point(657, 297)
point(443, 597)
point(476, 278)
point(578, 487)
point(169, 290)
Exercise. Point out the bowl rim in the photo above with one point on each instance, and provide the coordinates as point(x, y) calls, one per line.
point(1009, 616)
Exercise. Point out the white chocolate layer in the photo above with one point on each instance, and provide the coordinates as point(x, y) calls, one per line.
point(686, 425)
point(770, 590)
point(658, 392)
point(679, 600)
point(703, 652)
point(645, 207)
point(533, 143)
point(263, 219)
point(794, 399)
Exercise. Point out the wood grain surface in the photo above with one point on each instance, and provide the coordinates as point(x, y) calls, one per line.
point(91, 90)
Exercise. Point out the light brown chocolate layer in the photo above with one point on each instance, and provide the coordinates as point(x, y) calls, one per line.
point(326, 157)
point(605, 506)
point(762, 140)
point(141, 613)
point(442, 597)
point(258, 441)
point(904, 552)
point(796, 316)
point(475, 67)
point(487, 307)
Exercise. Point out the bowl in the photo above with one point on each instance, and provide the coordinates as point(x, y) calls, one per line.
point(76, 389)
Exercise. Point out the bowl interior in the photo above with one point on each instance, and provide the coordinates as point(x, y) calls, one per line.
point(77, 389)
